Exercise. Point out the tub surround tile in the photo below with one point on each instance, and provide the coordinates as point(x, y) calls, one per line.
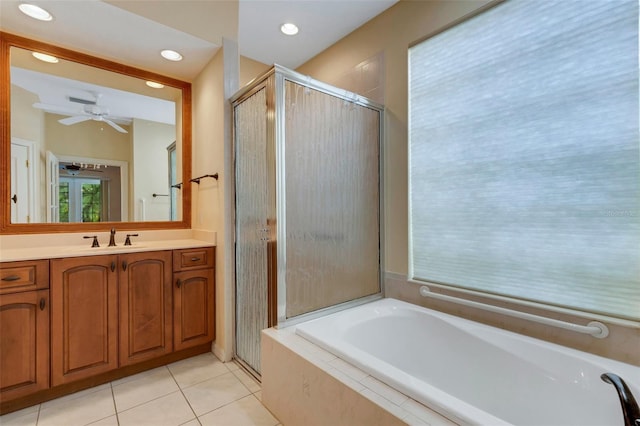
point(245, 411)
point(144, 388)
point(348, 369)
point(384, 390)
point(332, 383)
point(414, 408)
point(214, 393)
point(299, 392)
point(168, 410)
point(82, 410)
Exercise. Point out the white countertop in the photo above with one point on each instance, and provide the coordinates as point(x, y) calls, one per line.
point(61, 251)
point(59, 245)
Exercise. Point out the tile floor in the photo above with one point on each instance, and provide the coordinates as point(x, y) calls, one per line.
point(195, 391)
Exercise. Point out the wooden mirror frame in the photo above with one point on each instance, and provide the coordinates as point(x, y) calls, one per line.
point(7, 41)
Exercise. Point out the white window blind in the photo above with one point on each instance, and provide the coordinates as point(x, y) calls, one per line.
point(524, 155)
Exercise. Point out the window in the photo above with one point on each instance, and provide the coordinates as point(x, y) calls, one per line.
point(524, 155)
point(81, 200)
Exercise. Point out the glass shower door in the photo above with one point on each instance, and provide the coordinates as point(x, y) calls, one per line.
point(252, 231)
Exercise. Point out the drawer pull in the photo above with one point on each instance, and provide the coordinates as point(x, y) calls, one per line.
point(113, 266)
point(42, 304)
point(195, 259)
point(124, 265)
point(11, 278)
point(178, 283)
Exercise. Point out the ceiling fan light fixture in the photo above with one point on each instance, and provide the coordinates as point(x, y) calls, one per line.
point(289, 28)
point(35, 12)
point(155, 85)
point(171, 55)
point(45, 58)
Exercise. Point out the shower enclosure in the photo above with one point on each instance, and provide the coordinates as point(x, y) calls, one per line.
point(307, 203)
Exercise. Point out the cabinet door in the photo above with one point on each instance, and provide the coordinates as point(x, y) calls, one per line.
point(145, 306)
point(193, 308)
point(84, 320)
point(24, 343)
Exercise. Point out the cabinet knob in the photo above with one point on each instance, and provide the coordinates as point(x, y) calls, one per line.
point(195, 259)
point(42, 304)
point(178, 283)
point(113, 266)
point(124, 265)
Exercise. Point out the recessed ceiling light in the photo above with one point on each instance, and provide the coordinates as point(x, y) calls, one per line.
point(155, 85)
point(36, 12)
point(289, 28)
point(44, 57)
point(171, 55)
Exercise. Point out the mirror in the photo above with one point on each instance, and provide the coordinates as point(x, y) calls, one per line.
point(90, 145)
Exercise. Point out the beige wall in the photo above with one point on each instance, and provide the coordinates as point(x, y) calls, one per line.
point(208, 206)
point(150, 171)
point(391, 33)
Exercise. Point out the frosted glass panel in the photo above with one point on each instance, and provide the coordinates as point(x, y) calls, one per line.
point(251, 218)
point(332, 213)
point(524, 155)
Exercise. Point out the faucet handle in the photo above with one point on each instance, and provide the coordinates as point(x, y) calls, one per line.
point(127, 241)
point(95, 240)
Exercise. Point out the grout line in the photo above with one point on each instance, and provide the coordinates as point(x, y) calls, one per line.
point(38, 416)
point(184, 396)
point(115, 408)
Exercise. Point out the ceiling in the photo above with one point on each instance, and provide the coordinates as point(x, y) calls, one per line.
point(133, 32)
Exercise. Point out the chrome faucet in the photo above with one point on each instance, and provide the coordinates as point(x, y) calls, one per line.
point(630, 408)
point(112, 238)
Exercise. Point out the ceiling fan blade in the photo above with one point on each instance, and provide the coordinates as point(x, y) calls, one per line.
point(114, 125)
point(57, 109)
point(73, 120)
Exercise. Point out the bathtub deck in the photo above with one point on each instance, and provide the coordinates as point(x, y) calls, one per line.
point(304, 384)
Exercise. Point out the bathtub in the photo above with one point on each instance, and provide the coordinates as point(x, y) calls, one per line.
point(472, 373)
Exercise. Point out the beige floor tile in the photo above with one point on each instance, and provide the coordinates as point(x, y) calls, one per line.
point(193, 422)
point(81, 410)
point(214, 393)
point(63, 400)
point(146, 387)
point(247, 380)
point(109, 421)
point(243, 412)
point(25, 417)
point(232, 365)
point(197, 369)
point(169, 410)
point(137, 376)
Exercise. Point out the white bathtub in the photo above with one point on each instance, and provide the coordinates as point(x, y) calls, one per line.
point(473, 373)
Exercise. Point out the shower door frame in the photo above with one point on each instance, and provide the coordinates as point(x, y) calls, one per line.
point(273, 81)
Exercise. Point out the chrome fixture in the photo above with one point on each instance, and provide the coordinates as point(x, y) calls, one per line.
point(629, 405)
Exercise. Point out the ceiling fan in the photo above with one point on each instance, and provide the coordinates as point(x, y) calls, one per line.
point(74, 169)
point(90, 111)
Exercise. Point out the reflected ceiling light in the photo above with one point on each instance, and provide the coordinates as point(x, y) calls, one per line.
point(44, 57)
point(289, 29)
point(155, 85)
point(171, 55)
point(35, 12)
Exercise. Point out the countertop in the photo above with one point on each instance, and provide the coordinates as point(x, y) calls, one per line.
point(54, 252)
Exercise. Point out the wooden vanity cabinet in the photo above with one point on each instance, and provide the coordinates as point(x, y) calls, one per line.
point(145, 306)
point(193, 297)
point(84, 317)
point(24, 328)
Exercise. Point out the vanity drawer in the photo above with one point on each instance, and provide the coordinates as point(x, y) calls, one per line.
point(187, 259)
point(24, 276)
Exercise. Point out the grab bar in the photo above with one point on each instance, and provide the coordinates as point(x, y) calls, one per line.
point(594, 328)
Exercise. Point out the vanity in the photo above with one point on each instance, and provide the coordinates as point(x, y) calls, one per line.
point(81, 153)
point(85, 316)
